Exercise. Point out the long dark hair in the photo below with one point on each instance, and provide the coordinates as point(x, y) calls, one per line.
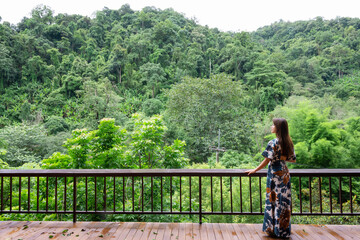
point(282, 134)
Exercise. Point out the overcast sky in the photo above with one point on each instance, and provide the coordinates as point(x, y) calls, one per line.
point(226, 15)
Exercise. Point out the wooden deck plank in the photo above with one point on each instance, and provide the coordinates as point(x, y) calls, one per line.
point(224, 230)
point(211, 231)
point(154, 231)
point(112, 232)
point(6, 225)
point(203, 232)
point(238, 228)
point(11, 227)
point(92, 231)
point(31, 229)
point(327, 233)
point(300, 231)
point(294, 235)
point(188, 231)
point(217, 231)
point(232, 233)
point(168, 229)
point(312, 232)
point(124, 231)
point(160, 231)
point(195, 235)
point(147, 231)
point(182, 234)
point(345, 231)
point(37, 232)
point(140, 231)
point(133, 230)
point(247, 232)
point(174, 231)
point(256, 231)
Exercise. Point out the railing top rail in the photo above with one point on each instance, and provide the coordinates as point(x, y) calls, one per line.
point(172, 172)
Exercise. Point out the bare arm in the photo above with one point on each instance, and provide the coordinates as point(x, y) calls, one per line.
point(261, 166)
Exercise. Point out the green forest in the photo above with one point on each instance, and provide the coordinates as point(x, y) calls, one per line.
point(152, 88)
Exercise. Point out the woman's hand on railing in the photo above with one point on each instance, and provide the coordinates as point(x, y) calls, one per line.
point(251, 171)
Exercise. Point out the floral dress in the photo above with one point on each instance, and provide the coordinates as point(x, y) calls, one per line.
point(278, 192)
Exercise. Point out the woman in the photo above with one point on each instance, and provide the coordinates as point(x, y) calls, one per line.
point(278, 193)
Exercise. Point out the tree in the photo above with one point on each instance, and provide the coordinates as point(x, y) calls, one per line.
point(340, 55)
point(200, 107)
point(148, 147)
point(42, 13)
point(117, 60)
point(6, 66)
point(152, 106)
point(153, 75)
point(109, 146)
point(56, 124)
point(100, 100)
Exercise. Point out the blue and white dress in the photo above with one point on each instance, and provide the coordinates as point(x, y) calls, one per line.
point(278, 192)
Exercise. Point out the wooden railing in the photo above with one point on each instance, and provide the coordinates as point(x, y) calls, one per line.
point(173, 191)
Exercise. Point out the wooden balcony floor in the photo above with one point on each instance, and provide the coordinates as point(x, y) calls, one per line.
point(177, 231)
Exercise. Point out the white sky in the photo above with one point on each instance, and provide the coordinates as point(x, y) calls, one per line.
point(226, 15)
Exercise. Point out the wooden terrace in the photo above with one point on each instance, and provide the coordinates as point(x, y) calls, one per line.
point(166, 231)
point(196, 194)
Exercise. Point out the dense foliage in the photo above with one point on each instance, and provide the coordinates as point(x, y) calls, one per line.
point(151, 89)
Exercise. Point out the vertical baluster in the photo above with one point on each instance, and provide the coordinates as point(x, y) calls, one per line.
point(340, 198)
point(152, 194)
point(250, 195)
point(170, 193)
point(190, 194)
point(241, 203)
point(37, 194)
point(47, 194)
point(10, 193)
point(351, 200)
point(86, 194)
point(161, 194)
point(231, 195)
point(74, 200)
point(212, 199)
point(331, 210)
point(180, 196)
point(221, 195)
point(300, 194)
point(260, 193)
point(19, 194)
point(200, 200)
point(105, 194)
point(142, 193)
point(133, 193)
point(2, 193)
point(65, 183)
point(28, 193)
point(114, 192)
point(320, 195)
point(123, 182)
point(56, 194)
point(95, 183)
point(310, 195)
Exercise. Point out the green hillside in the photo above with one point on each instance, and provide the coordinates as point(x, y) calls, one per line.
point(64, 72)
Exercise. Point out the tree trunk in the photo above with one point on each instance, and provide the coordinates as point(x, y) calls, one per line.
point(119, 72)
